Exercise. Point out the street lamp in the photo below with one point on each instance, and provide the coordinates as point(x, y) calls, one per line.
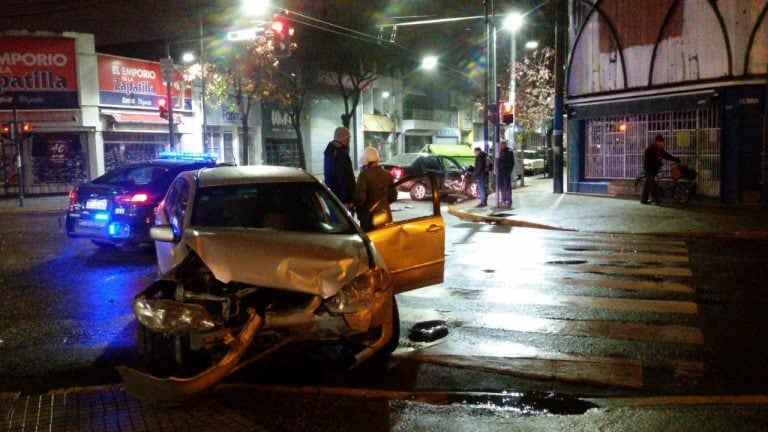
point(255, 7)
point(512, 23)
point(429, 62)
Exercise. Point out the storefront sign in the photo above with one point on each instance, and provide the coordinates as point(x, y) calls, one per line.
point(448, 133)
point(125, 82)
point(38, 73)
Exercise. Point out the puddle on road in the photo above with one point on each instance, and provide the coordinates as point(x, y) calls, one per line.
point(525, 403)
point(568, 262)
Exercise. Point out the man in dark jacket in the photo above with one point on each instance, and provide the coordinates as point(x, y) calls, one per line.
point(337, 166)
point(373, 183)
point(505, 164)
point(653, 159)
point(481, 176)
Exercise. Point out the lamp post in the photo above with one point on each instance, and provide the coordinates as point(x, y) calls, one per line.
point(513, 22)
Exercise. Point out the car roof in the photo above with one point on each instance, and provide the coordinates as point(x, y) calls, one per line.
point(231, 175)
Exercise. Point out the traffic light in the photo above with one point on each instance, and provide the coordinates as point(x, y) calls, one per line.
point(5, 130)
point(507, 113)
point(162, 106)
point(282, 36)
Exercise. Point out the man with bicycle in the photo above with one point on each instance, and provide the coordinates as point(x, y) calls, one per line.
point(653, 159)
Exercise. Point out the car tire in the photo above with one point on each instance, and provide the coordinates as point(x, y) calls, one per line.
point(419, 191)
point(394, 341)
point(472, 190)
point(103, 244)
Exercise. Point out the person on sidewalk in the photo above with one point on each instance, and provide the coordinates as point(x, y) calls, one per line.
point(373, 183)
point(481, 176)
point(505, 164)
point(337, 166)
point(653, 160)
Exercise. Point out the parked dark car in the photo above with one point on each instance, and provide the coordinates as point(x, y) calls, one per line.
point(452, 177)
point(118, 208)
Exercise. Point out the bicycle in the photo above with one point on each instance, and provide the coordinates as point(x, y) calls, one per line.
point(680, 182)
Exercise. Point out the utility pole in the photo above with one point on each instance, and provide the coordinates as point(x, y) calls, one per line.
point(557, 134)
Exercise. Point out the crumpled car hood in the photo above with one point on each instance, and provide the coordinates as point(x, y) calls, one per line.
point(317, 264)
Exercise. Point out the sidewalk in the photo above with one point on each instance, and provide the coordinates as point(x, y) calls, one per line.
point(38, 204)
point(536, 206)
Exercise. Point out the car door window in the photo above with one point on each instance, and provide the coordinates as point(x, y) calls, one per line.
point(176, 204)
point(430, 164)
point(450, 166)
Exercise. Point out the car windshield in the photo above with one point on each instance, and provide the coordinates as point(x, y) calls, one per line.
point(132, 176)
point(294, 206)
point(403, 159)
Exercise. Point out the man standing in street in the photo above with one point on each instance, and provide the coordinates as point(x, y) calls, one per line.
point(505, 164)
point(337, 165)
point(481, 176)
point(652, 161)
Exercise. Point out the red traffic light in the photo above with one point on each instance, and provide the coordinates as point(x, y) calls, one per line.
point(162, 105)
point(278, 26)
point(5, 128)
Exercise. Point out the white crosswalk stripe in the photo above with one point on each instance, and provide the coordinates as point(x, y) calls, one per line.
point(600, 289)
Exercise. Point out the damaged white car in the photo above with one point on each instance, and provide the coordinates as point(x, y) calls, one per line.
point(254, 258)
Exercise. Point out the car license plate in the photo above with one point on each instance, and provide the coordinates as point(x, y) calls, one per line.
point(92, 223)
point(96, 204)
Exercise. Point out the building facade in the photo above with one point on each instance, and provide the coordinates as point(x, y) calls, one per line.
point(92, 112)
point(693, 71)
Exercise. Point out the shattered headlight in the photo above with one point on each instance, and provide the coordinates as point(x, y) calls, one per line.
point(172, 317)
point(359, 293)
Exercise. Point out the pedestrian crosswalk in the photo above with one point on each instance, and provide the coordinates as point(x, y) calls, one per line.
point(597, 308)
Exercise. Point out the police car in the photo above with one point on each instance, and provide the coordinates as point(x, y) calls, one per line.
point(118, 208)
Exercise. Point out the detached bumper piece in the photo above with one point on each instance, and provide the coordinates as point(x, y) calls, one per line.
point(150, 388)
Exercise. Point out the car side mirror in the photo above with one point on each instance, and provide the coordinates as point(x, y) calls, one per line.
point(162, 233)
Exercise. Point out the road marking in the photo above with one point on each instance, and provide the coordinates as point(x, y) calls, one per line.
point(645, 247)
point(631, 270)
point(627, 330)
point(526, 361)
point(612, 239)
point(531, 297)
point(628, 284)
point(626, 256)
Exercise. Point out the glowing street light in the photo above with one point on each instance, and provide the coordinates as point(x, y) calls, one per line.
point(429, 62)
point(255, 7)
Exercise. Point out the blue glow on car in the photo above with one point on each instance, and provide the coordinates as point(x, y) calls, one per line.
point(189, 156)
point(101, 216)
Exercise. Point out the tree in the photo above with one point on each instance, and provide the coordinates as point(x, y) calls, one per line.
point(351, 71)
point(535, 84)
point(245, 75)
point(295, 78)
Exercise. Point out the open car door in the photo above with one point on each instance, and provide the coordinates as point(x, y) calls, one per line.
point(413, 242)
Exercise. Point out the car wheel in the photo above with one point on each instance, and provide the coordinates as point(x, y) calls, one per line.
point(419, 191)
point(394, 341)
point(103, 244)
point(472, 190)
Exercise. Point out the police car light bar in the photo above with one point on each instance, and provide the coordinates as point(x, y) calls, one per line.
point(190, 156)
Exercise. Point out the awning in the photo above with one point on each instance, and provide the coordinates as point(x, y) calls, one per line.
point(140, 118)
point(377, 123)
